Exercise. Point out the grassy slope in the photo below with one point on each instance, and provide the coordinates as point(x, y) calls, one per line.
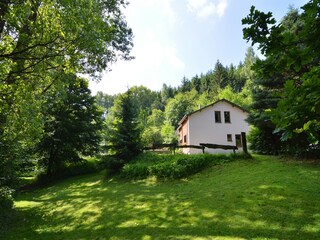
point(255, 199)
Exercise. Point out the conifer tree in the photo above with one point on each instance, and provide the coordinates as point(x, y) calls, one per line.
point(72, 126)
point(125, 132)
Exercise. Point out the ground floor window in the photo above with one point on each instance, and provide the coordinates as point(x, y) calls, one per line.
point(238, 140)
point(229, 137)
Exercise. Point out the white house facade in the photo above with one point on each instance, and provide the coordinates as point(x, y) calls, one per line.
point(219, 123)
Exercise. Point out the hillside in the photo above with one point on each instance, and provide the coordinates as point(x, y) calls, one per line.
point(264, 198)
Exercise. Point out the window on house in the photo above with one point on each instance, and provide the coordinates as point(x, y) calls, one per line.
point(217, 116)
point(185, 138)
point(227, 118)
point(229, 137)
point(238, 140)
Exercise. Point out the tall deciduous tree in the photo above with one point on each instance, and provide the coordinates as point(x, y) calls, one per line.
point(178, 106)
point(40, 40)
point(152, 132)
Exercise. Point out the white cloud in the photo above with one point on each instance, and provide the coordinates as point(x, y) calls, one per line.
point(164, 7)
point(207, 8)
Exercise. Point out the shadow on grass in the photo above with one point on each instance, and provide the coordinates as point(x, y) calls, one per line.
point(241, 200)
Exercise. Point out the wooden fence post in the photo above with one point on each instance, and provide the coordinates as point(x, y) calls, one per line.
point(244, 142)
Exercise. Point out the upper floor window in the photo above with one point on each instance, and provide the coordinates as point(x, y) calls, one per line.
point(217, 116)
point(227, 118)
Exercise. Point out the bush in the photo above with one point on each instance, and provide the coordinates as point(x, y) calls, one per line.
point(173, 166)
point(6, 204)
point(135, 171)
point(264, 141)
point(71, 170)
point(112, 164)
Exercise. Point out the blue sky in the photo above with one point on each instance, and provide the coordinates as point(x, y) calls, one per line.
point(177, 38)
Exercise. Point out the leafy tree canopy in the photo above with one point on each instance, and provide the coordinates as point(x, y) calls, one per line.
point(40, 41)
point(287, 92)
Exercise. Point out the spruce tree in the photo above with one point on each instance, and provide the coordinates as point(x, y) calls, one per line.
point(125, 132)
point(72, 126)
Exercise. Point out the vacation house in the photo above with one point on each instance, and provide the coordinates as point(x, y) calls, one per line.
point(220, 123)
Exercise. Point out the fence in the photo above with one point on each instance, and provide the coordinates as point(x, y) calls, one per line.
point(174, 146)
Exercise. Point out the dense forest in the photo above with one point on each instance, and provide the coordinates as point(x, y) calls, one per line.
point(49, 120)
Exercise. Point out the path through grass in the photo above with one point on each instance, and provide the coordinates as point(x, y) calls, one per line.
point(262, 198)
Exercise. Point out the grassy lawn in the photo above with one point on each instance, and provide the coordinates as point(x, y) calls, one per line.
point(264, 198)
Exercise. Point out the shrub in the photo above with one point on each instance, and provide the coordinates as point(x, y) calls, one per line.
point(135, 171)
point(139, 167)
point(112, 164)
point(70, 170)
point(6, 204)
point(173, 166)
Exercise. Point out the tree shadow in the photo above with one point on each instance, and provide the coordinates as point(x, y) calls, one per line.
point(280, 207)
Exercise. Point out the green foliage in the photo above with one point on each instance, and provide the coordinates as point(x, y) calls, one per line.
point(168, 133)
point(6, 204)
point(72, 126)
point(285, 96)
point(151, 135)
point(298, 112)
point(112, 164)
point(40, 42)
point(143, 98)
point(105, 101)
point(91, 33)
point(179, 106)
point(68, 170)
point(173, 166)
point(264, 141)
point(242, 99)
point(124, 133)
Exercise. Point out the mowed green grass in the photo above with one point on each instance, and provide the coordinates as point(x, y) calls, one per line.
point(263, 198)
